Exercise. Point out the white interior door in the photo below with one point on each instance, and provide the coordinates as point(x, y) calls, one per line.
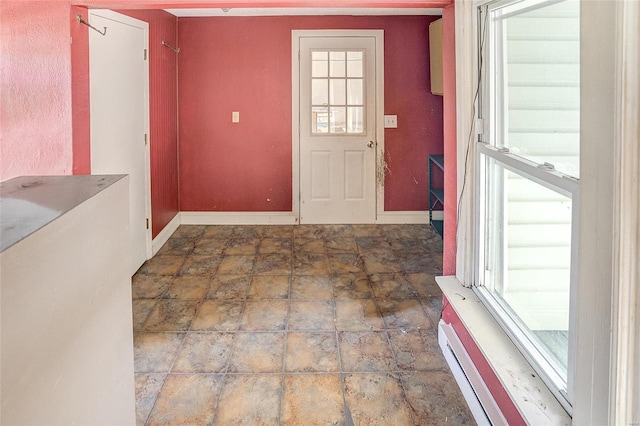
point(119, 92)
point(337, 129)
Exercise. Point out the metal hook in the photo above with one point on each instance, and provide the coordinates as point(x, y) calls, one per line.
point(82, 21)
point(164, 43)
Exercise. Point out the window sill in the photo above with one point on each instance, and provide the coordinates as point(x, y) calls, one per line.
point(529, 394)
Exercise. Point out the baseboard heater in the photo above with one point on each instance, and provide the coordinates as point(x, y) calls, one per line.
point(483, 406)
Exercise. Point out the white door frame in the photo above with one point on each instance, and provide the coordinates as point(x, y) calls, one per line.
point(115, 16)
point(296, 35)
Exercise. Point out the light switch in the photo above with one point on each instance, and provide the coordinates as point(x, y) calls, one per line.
point(235, 117)
point(390, 121)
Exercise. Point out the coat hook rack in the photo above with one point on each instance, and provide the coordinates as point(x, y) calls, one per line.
point(164, 43)
point(82, 21)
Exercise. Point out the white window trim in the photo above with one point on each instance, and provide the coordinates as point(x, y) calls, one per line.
point(600, 366)
point(625, 366)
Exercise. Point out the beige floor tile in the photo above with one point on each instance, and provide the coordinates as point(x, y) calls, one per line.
point(351, 286)
point(405, 314)
point(310, 264)
point(229, 287)
point(357, 315)
point(189, 231)
point(217, 315)
point(264, 315)
point(142, 308)
point(345, 263)
point(242, 246)
point(251, 314)
point(311, 315)
point(278, 231)
point(155, 352)
point(250, 400)
point(376, 263)
point(236, 265)
point(365, 351)
point(417, 350)
point(391, 286)
point(269, 287)
point(162, 265)
point(373, 244)
point(149, 286)
point(257, 353)
point(200, 265)
point(177, 247)
point(217, 232)
point(273, 264)
point(309, 245)
point(204, 353)
point(341, 245)
point(187, 400)
point(275, 246)
point(172, 315)
point(147, 389)
point(316, 287)
point(312, 352)
point(435, 398)
point(313, 400)
point(368, 231)
point(192, 287)
point(376, 399)
point(209, 247)
point(424, 284)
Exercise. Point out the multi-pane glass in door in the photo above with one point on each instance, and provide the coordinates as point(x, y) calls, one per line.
point(337, 92)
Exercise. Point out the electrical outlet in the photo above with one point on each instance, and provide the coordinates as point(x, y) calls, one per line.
point(390, 121)
point(235, 117)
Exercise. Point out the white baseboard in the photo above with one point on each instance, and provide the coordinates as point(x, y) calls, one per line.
point(239, 218)
point(164, 235)
point(272, 218)
point(407, 217)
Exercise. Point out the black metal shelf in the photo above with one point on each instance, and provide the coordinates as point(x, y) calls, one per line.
point(436, 195)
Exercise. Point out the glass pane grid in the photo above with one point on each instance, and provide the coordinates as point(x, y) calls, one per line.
point(337, 92)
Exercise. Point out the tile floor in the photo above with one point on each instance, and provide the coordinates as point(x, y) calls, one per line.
point(293, 325)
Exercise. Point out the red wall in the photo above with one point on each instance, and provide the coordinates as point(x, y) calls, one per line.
point(244, 64)
point(509, 410)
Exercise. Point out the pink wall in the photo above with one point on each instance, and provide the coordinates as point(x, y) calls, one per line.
point(35, 82)
point(450, 143)
point(244, 64)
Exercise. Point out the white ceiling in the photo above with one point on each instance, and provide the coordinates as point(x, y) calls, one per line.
point(274, 11)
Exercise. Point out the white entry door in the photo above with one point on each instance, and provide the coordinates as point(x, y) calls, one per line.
point(119, 92)
point(337, 129)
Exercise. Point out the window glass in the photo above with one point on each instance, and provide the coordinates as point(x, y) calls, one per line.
point(337, 92)
point(538, 61)
point(528, 257)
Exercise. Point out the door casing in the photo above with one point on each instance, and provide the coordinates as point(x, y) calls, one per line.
point(296, 35)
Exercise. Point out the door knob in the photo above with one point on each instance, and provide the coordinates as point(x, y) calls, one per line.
point(370, 144)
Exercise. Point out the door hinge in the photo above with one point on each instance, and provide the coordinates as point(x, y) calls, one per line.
point(298, 55)
point(145, 54)
point(146, 140)
point(147, 223)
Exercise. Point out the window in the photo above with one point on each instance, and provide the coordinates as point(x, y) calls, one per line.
point(337, 92)
point(528, 165)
